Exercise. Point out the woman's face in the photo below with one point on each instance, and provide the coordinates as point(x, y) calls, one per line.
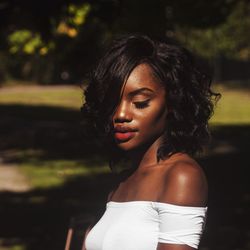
point(140, 117)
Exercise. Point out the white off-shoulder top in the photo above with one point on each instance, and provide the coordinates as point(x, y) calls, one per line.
point(140, 225)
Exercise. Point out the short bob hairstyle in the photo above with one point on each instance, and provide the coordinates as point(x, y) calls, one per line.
point(189, 98)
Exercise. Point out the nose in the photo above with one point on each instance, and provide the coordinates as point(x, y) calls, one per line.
point(122, 113)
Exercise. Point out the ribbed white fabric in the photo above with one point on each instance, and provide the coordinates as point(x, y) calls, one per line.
point(140, 225)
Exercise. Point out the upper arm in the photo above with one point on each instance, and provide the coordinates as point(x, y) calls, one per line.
point(184, 184)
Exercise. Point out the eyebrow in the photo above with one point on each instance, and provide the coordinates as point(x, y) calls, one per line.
point(138, 91)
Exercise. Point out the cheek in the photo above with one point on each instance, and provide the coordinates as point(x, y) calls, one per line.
point(154, 117)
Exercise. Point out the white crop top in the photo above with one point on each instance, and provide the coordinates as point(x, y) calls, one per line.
point(140, 225)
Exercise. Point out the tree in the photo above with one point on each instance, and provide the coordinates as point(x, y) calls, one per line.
point(230, 38)
point(49, 39)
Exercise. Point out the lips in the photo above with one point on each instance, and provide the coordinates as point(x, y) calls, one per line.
point(124, 133)
point(124, 136)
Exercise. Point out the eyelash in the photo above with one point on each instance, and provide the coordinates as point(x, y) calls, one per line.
point(142, 105)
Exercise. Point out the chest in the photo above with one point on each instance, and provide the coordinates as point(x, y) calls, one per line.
point(143, 185)
point(125, 226)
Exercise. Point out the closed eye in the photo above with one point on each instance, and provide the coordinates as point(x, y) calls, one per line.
point(142, 105)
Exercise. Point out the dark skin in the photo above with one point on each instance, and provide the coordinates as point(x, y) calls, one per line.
point(178, 179)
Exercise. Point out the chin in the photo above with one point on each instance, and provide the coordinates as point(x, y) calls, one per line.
point(131, 146)
point(125, 147)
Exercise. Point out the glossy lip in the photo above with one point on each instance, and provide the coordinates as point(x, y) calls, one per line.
point(123, 133)
point(124, 136)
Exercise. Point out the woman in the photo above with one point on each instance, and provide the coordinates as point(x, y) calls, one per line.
point(152, 104)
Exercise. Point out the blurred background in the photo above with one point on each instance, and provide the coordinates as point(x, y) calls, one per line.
point(52, 168)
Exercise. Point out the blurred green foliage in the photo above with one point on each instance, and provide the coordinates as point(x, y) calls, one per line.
point(25, 39)
point(61, 46)
point(230, 38)
point(35, 57)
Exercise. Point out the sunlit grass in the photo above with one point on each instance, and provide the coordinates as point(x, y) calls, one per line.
point(63, 96)
point(13, 244)
point(233, 107)
point(46, 174)
point(49, 173)
point(17, 247)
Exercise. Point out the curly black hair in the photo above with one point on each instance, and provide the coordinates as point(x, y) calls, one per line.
point(189, 97)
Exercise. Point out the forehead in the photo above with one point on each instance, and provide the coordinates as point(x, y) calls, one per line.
point(142, 76)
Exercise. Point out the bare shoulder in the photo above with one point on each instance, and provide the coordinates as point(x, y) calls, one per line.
point(110, 194)
point(184, 183)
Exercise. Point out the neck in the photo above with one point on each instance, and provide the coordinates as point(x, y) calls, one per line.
point(145, 156)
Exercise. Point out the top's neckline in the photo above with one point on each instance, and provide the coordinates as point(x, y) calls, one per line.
point(132, 203)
